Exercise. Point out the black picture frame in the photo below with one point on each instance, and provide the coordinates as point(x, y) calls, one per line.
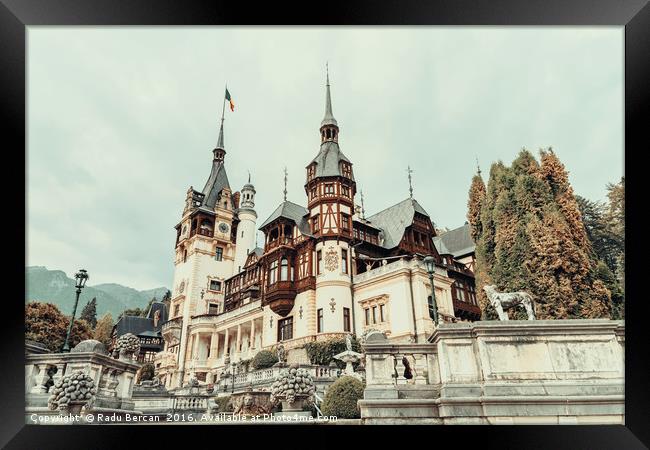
point(16, 15)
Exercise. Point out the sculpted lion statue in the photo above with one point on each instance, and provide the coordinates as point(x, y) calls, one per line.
point(502, 301)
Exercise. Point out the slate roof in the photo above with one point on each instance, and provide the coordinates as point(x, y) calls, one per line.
point(457, 242)
point(394, 220)
point(290, 210)
point(217, 181)
point(328, 160)
point(133, 324)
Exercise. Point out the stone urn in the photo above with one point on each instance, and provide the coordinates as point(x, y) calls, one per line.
point(293, 388)
point(126, 346)
point(72, 392)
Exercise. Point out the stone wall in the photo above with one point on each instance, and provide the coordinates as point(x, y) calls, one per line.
point(493, 372)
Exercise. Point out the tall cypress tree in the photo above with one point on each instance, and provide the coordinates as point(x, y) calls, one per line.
point(89, 313)
point(477, 195)
point(532, 238)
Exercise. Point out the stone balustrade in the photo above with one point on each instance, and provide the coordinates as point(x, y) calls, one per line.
point(114, 378)
point(543, 371)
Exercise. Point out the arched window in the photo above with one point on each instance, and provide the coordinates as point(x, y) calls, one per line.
point(284, 269)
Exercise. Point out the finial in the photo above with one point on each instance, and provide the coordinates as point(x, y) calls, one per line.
point(329, 116)
point(249, 177)
point(327, 70)
point(363, 208)
point(285, 183)
point(478, 168)
point(410, 181)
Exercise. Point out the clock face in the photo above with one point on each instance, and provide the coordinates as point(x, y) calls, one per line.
point(223, 227)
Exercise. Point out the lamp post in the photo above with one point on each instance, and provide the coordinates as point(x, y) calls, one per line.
point(81, 277)
point(430, 264)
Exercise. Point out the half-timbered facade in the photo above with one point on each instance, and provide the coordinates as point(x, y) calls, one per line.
point(324, 270)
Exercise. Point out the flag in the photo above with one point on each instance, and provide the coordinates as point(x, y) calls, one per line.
point(232, 104)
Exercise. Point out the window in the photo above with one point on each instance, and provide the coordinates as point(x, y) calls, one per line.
point(346, 191)
point(344, 260)
point(284, 269)
point(184, 255)
point(345, 221)
point(319, 320)
point(347, 170)
point(367, 311)
point(374, 314)
point(329, 189)
point(176, 308)
point(218, 254)
point(381, 313)
point(314, 223)
point(319, 259)
point(346, 319)
point(213, 308)
point(215, 285)
point(285, 329)
point(314, 193)
point(273, 270)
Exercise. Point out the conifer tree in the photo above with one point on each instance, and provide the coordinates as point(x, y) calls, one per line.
point(104, 329)
point(474, 204)
point(89, 313)
point(532, 238)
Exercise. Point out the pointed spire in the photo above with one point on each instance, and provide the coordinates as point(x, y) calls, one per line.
point(478, 168)
point(410, 181)
point(220, 140)
point(363, 208)
point(329, 117)
point(249, 177)
point(285, 184)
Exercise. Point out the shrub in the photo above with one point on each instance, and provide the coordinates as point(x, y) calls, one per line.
point(341, 398)
point(322, 353)
point(264, 359)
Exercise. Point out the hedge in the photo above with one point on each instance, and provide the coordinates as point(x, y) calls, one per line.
point(322, 353)
point(341, 398)
point(264, 359)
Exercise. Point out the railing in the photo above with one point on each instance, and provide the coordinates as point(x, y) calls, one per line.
point(382, 269)
point(190, 403)
point(267, 376)
point(395, 364)
point(278, 242)
point(173, 323)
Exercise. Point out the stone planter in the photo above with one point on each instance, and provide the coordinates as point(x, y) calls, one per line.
point(297, 405)
point(74, 408)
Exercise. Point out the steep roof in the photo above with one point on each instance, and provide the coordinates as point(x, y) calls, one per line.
point(290, 210)
point(133, 324)
point(394, 220)
point(217, 181)
point(328, 160)
point(456, 242)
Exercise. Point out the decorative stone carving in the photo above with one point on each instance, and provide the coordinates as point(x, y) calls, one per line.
point(502, 301)
point(127, 346)
point(282, 356)
point(72, 392)
point(252, 404)
point(333, 305)
point(293, 387)
point(331, 259)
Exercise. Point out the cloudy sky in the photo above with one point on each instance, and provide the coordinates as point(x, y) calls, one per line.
point(121, 121)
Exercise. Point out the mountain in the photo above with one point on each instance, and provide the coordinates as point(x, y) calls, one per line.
point(54, 286)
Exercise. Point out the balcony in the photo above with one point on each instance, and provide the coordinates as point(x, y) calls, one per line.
point(172, 328)
point(280, 297)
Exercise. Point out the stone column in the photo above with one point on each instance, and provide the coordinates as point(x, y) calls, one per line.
point(40, 379)
point(238, 344)
point(195, 346)
point(226, 350)
point(399, 366)
point(251, 344)
point(214, 345)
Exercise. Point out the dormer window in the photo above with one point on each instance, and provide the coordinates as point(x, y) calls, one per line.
point(311, 171)
point(346, 170)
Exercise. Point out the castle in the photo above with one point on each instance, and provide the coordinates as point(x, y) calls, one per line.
point(326, 270)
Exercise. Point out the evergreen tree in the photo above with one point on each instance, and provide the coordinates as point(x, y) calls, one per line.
point(531, 237)
point(104, 329)
point(89, 313)
point(474, 204)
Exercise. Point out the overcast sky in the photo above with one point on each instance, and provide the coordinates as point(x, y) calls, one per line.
point(121, 121)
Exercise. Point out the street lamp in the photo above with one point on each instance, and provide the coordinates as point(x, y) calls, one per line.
point(81, 277)
point(430, 264)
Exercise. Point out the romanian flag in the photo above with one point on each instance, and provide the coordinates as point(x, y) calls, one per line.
point(232, 104)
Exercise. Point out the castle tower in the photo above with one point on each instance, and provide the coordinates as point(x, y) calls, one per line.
point(246, 229)
point(330, 189)
point(205, 253)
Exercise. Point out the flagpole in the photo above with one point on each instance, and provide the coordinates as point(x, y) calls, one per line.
point(223, 108)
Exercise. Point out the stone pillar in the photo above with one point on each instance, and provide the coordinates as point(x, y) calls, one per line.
point(399, 366)
point(214, 345)
point(238, 344)
point(251, 340)
point(40, 380)
point(226, 350)
point(420, 368)
point(195, 346)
